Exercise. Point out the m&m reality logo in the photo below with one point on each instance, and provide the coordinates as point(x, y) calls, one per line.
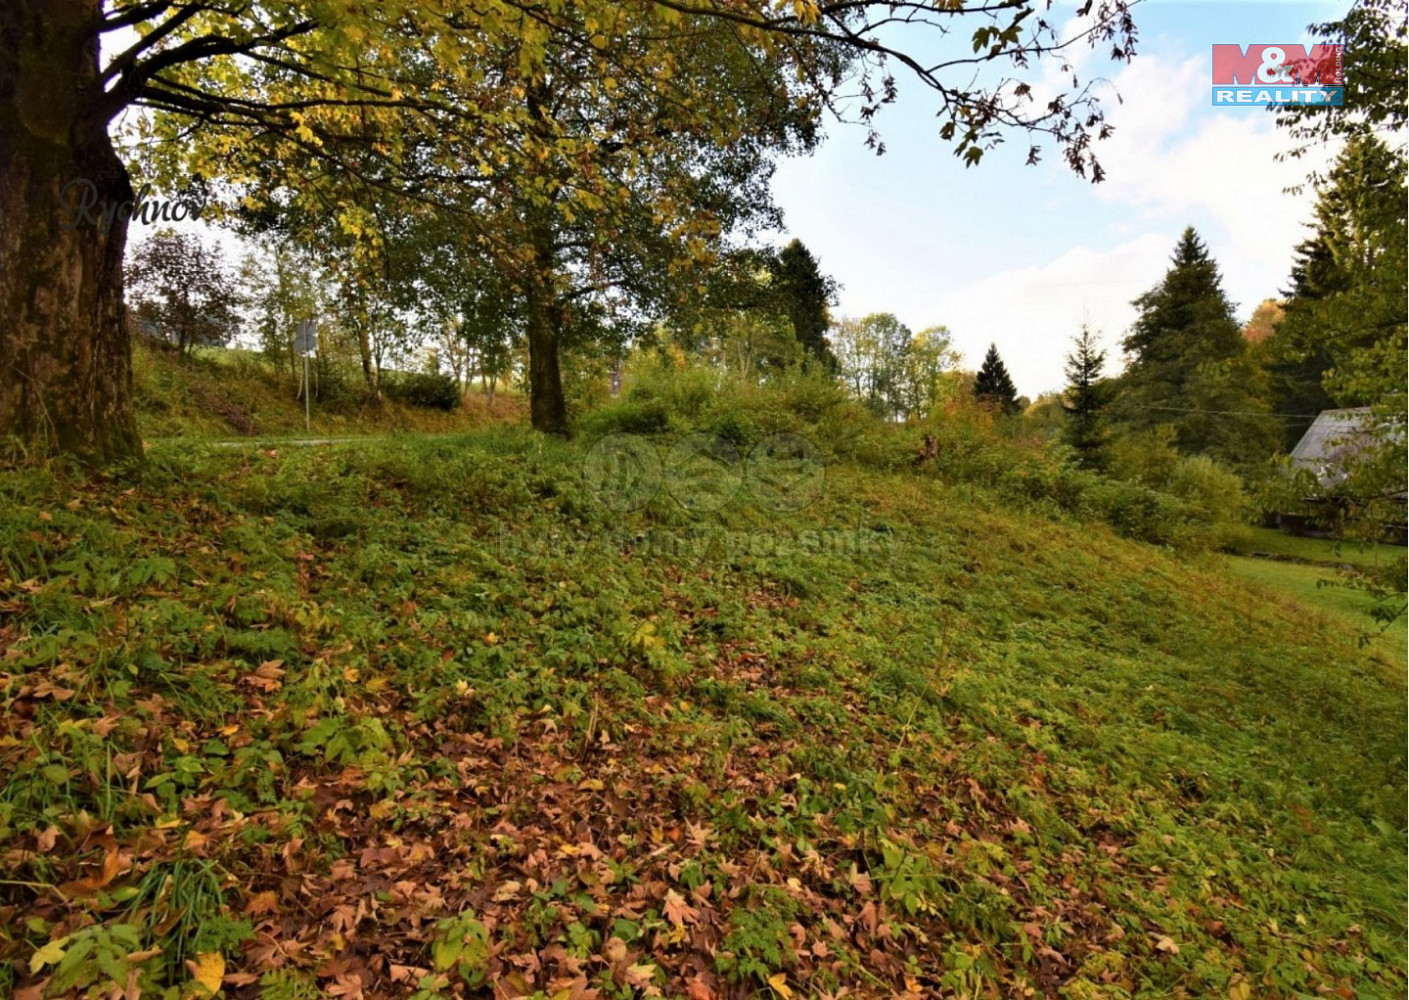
point(1278, 74)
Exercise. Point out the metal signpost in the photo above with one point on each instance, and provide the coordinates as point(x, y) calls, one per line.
point(306, 343)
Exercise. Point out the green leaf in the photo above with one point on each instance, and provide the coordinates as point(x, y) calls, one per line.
point(51, 954)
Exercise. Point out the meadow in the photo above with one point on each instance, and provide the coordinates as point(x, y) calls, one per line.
point(434, 716)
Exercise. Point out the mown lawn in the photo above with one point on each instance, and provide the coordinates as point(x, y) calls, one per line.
point(1324, 551)
point(426, 718)
point(1323, 591)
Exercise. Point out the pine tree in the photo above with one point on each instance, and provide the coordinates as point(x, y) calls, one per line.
point(1084, 400)
point(993, 385)
point(805, 294)
point(1189, 366)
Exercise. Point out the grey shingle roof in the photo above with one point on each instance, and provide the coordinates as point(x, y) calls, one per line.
point(1332, 441)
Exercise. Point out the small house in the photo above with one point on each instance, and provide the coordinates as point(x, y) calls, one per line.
point(1328, 450)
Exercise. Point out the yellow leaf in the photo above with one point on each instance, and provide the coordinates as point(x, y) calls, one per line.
point(780, 984)
point(209, 970)
point(1239, 991)
point(50, 954)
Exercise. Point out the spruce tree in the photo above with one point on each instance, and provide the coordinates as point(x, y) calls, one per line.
point(1189, 367)
point(993, 385)
point(804, 294)
point(1084, 399)
point(1342, 340)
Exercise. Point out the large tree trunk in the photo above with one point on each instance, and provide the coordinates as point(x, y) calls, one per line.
point(547, 407)
point(65, 359)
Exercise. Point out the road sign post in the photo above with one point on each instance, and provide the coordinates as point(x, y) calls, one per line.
point(306, 344)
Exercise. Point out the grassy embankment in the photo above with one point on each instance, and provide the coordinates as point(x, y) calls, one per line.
point(422, 716)
point(227, 394)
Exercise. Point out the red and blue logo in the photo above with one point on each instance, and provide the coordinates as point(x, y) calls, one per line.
point(1278, 74)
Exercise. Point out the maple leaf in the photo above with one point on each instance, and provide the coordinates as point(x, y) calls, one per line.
point(507, 891)
point(642, 976)
point(266, 676)
point(343, 918)
point(677, 911)
point(112, 866)
point(50, 954)
point(347, 985)
point(261, 903)
point(869, 917)
point(614, 950)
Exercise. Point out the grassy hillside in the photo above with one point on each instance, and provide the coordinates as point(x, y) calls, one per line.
point(218, 393)
point(425, 717)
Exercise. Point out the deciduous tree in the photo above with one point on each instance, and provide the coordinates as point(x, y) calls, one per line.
point(565, 106)
point(185, 288)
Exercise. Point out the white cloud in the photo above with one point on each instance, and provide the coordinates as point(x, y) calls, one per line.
point(1223, 169)
point(1172, 162)
point(1032, 313)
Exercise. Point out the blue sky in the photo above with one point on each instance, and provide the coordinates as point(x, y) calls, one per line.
point(1021, 255)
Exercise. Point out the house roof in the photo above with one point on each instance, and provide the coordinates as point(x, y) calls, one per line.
point(1329, 444)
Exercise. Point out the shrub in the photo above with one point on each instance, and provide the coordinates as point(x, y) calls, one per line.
point(1208, 487)
point(683, 390)
point(647, 416)
point(337, 386)
point(422, 389)
point(587, 379)
point(737, 428)
point(1147, 457)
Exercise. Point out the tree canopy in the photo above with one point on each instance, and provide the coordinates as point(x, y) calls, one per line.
point(595, 152)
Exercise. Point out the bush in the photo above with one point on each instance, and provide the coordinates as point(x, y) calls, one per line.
point(1208, 487)
point(1139, 512)
point(587, 379)
point(649, 416)
point(422, 389)
point(337, 386)
point(1165, 499)
point(1147, 457)
point(684, 390)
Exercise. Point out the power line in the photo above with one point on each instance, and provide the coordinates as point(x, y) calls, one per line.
point(1230, 413)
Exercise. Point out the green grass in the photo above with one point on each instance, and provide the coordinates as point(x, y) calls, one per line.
point(221, 393)
point(1326, 592)
point(1324, 551)
point(421, 717)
